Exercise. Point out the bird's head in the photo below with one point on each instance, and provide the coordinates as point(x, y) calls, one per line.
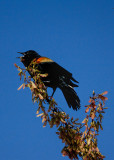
point(28, 56)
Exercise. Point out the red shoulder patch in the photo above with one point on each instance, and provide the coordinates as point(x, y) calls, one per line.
point(43, 59)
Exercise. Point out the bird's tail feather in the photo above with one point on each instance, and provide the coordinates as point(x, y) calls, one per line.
point(71, 97)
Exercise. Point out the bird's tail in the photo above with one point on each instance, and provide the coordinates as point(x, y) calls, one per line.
point(71, 97)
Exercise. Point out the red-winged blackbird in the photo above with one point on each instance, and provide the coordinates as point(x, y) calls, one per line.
point(58, 77)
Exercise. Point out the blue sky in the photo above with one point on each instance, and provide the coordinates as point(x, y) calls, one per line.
point(79, 35)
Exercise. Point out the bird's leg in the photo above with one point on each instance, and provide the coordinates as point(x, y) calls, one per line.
point(47, 99)
point(54, 89)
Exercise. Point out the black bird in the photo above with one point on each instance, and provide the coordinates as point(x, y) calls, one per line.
point(58, 77)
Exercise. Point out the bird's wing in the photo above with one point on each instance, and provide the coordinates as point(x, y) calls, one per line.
point(51, 67)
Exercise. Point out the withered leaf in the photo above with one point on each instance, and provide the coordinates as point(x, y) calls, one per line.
point(20, 87)
point(33, 85)
point(16, 65)
point(87, 110)
point(43, 75)
point(85, 120)
point(44, 119)
point(63, 121)
point(40, 96)
point(39, 115)
point(104, 93)
point(37, 112)
point(93, 115)
point(103, 98)
point(44, 125)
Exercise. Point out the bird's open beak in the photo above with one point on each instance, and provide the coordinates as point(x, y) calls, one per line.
point(20, 53)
